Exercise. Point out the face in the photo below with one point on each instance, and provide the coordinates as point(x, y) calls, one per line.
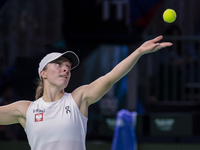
point(57, 72)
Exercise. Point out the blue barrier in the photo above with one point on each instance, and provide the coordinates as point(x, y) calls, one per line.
point(125, 135)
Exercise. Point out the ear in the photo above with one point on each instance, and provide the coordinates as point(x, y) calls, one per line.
point(43, 74)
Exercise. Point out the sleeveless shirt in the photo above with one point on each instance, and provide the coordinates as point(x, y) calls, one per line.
point(56, 125)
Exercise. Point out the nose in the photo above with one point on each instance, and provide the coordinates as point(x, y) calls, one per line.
point(66, 69)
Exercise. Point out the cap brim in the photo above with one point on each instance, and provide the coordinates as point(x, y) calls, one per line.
point(72, 57)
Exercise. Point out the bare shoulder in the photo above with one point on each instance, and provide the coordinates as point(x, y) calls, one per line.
point(77, 94)
point(79, 99)
point(14, 113)
point(22, 106)
point(22, 103)
point(18, 105)
point(79, 89)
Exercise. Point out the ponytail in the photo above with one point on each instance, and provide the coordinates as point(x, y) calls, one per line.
point(40, 89)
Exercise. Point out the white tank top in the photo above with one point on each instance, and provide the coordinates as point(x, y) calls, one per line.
point(56, 125)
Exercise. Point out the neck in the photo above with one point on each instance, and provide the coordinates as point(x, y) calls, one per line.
point(52, 95)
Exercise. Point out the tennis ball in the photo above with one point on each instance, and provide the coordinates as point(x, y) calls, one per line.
point(169, 15)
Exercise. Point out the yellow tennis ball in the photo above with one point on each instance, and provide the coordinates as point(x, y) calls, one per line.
point(169, 15)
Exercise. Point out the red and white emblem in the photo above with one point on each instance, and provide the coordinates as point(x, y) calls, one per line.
point(38, 117)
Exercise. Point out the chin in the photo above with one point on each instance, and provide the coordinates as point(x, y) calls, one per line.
point(65, 85)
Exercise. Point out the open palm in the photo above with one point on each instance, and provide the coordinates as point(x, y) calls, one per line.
point(152, 45)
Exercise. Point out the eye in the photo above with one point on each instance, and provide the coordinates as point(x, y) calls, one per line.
point(68, 66)
point(58, 63)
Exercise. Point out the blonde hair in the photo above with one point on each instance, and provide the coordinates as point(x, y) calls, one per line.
point(40, 87)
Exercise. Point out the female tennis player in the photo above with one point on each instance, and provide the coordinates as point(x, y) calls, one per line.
point(58, 120)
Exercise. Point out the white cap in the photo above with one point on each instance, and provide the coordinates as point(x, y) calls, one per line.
point(71, 56)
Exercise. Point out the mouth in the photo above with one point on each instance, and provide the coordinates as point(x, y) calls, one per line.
point(64, 76)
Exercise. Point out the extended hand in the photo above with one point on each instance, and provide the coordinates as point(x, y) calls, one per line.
point(152, 45)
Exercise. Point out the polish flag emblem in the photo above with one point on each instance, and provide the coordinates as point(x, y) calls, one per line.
point(38, 117)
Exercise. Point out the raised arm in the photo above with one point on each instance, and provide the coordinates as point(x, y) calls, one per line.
point(127, 64)
point(14, 113)
point(94, 91)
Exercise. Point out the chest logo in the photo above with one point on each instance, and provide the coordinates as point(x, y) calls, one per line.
point(38, 117)
point(67, 109)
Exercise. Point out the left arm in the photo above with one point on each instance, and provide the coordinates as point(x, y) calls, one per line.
point(96, 90)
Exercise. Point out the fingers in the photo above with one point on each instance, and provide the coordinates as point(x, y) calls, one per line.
point(158, 46)
point(165, 44)
point(158, 38)
point(154, 47)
